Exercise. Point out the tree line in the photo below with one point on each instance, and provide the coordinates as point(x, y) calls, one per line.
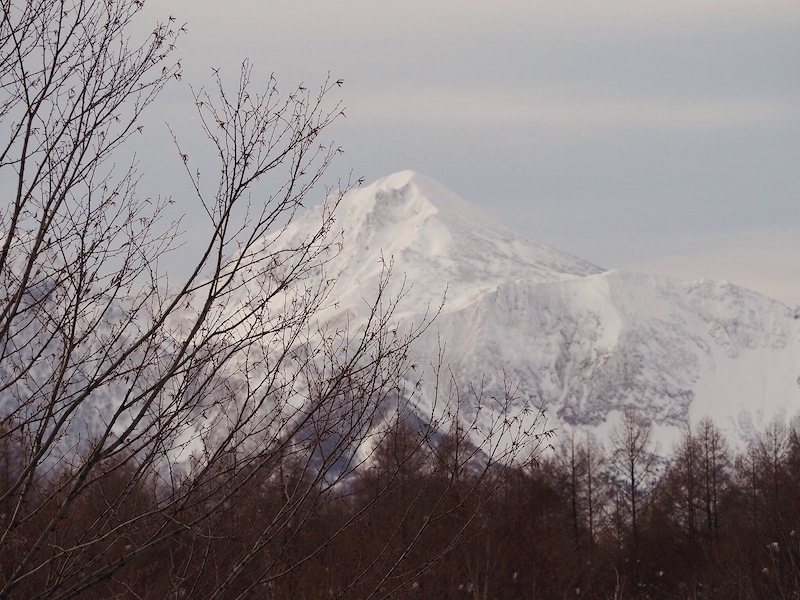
point(425, 517)
point(623, 519)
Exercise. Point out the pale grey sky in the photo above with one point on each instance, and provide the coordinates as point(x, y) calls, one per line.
point(654, 136)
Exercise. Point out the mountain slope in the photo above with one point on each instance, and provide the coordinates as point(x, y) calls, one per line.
point(439, 241)
point(588, 347)
point(581, 342)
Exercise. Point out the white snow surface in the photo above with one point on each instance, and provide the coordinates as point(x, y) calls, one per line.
point(581, 342)
point(438, 242)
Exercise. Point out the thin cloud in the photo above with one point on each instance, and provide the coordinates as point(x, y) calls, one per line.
point(451, 107)
point(764, 260)
point(304, 21)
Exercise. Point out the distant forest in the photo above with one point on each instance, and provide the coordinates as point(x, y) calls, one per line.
point(582, 521)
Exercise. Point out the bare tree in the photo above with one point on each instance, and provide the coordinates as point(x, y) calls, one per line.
point(633, 461)
point(581, 462)
point(684, 483)
point(176, 439)
point(714, 463)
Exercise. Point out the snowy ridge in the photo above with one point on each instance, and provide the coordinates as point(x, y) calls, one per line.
point(587, 348)
point(581, 342)
point(437, 241)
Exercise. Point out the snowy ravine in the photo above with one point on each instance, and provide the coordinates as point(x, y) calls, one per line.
point(581, 342)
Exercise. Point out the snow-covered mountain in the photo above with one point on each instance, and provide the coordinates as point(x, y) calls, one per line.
point(581, 342)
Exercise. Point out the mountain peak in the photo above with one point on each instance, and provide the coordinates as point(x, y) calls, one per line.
point(438, 241)
point(409, 179)
point(398, 180)
point(408, 193)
